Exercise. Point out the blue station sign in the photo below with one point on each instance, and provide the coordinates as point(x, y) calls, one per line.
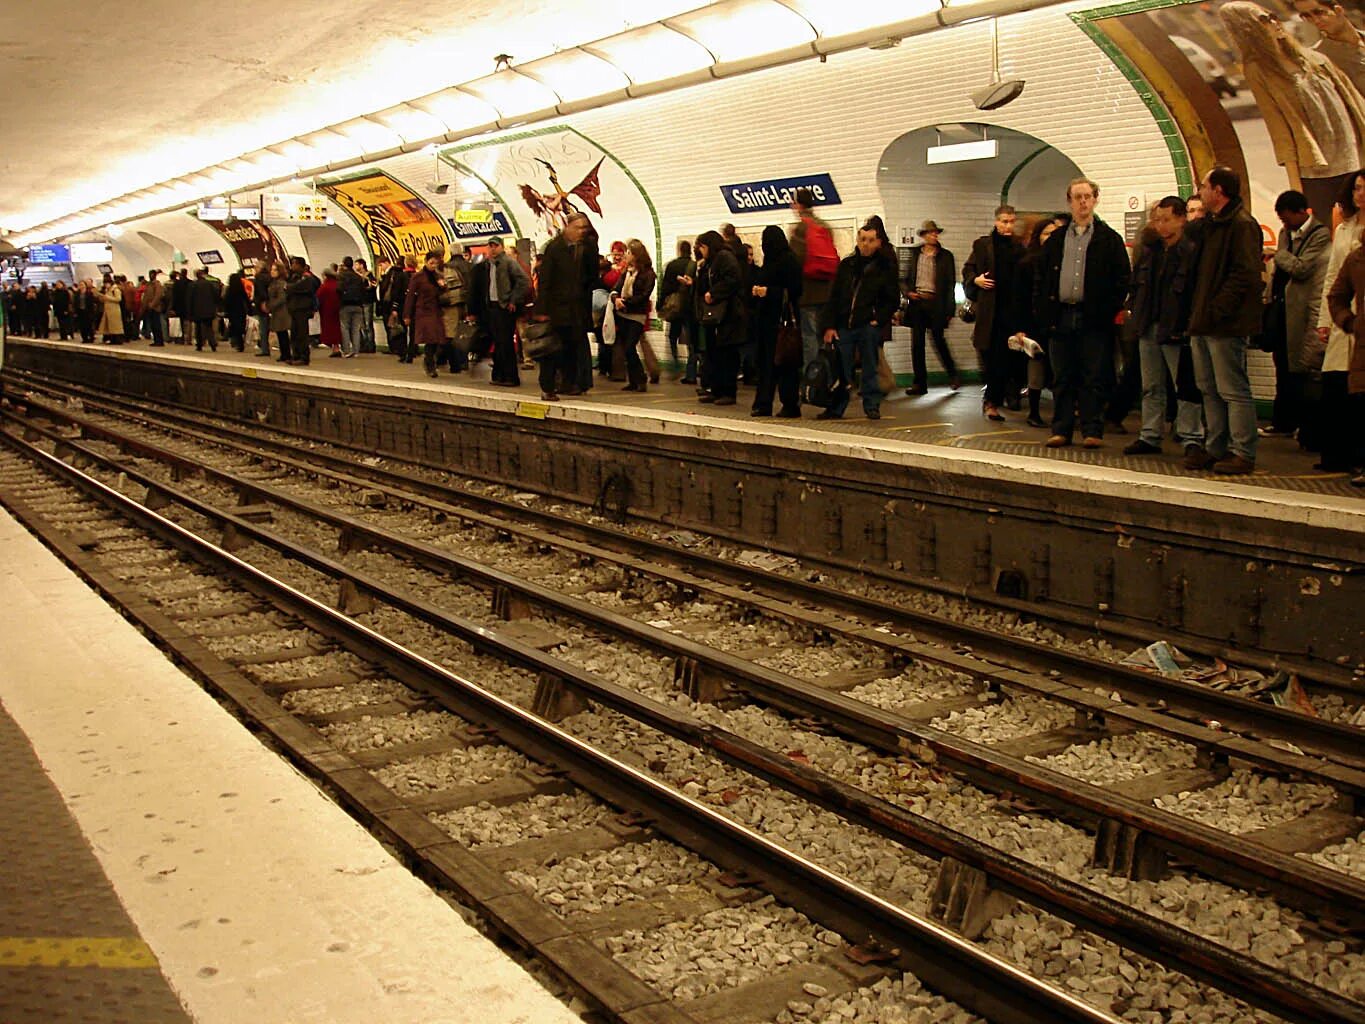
point(498, 225)
point(777, 193)
point(45, 254)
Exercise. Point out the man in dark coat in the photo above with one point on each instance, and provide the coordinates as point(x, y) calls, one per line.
point(503, 287)
point(393, 287)
point(203, 309)
point(565, 300)
point(1080, 286)
point(41, 310)
point(988, 281)
point(180, 304)
point(930, 282)
point(300, 290)
point(61, 309)
point(1225, 310)
point(865, 295)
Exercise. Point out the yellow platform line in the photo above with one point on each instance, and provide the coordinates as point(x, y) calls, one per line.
point(923, 426)
point(111, 954)
point(984, 433)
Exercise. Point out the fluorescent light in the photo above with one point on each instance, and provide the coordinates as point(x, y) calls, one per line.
point(412, 123)
point(742, 29)
point(458, 111)
point(653, 53)
point(575, 75)
point(842, 18)
point(982, 149)
point(333, 146)
point(370, 135)
point(513, 95)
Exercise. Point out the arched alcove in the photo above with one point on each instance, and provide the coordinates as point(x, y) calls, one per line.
point(165, 252)
point(327, 244)
point(961, 196)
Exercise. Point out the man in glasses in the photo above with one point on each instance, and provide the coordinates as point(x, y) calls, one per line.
point(1340, 41)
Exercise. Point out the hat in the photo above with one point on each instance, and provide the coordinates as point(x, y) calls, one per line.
point(618, 246)
point(928, 226)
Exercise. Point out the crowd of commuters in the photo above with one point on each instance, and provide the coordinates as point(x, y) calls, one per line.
point(1066, 307)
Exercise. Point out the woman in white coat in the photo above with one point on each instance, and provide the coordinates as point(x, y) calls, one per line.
point(111, 319)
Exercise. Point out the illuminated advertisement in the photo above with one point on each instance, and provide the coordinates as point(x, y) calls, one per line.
point(252, 241)
point(394, 220)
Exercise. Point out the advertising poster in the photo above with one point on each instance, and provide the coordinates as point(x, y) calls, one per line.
point(252, 241)
point(540, 177)
point(395, 221)
point(1271, 88)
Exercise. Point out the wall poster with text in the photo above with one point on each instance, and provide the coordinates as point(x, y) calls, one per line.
point(395, 221)
point(252, 241)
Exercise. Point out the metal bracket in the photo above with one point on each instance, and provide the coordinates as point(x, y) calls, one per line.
point(1124, 850)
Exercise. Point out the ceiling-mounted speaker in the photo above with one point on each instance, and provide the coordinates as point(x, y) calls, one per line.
point(997, 94)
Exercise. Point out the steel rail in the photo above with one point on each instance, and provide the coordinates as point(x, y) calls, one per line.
point(1241, 976)
point(943, 960)
point(1323, 673)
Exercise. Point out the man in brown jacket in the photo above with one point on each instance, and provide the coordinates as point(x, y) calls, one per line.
point(1225, 310)
point(154, 308)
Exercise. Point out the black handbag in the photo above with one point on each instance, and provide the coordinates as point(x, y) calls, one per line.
point(539, 340)
point(967, 311)
point(672, 307)
point(466, 334)
point(789, 349)
point(712, 313)
point(1272, 326)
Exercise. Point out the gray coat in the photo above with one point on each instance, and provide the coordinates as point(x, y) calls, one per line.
point(1306, 266)
point(275, 302)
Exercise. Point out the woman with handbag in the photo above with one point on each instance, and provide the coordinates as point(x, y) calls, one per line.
point(777, 289)
point(720, 310)
point(630, 303)
point(422, 310)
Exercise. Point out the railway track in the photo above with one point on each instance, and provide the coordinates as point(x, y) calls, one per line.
point(564, 684)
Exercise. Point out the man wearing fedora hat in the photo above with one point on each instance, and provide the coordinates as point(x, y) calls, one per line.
point(930, 276)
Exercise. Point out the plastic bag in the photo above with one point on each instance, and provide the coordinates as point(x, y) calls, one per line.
point(609, 326)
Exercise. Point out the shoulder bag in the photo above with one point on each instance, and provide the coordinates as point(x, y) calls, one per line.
point(539, 340)
point(789, 349)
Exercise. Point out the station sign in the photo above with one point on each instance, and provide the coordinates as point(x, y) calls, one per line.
point(296, 209)
point(777, 193)
point(494, 223)
point(92, 252)
point(210, 256)
point(212, 212)
point(473, 216)
point(45, 254)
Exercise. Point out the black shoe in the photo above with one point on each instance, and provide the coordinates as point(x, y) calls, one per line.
point(916, 391)
point(873, 414)
point(827, 415)
point(789, 414)
point(760, 412)
point(1035, 421)
point(1141, 447)
point(688, 380)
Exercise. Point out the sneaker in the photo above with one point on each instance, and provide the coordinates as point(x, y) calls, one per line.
point(1058, 441)
point(1233, 465)
point(1196, 458)
point(1092, 442)
point(1141, 447)
point(827, 415)
point(1273, 432)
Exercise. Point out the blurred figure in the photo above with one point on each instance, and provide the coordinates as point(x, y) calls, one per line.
point(422, 311)
point(203, 300)
point(61, 310)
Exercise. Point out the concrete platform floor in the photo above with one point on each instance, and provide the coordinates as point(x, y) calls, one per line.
point(943, 418)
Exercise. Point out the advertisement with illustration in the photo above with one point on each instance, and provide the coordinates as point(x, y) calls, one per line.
point(251, 240)
point(537, 179)
point(1274, 89)
point(394, 220)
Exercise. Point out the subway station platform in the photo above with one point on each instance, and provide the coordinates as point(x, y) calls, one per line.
point(944, 431)
point(161, 865)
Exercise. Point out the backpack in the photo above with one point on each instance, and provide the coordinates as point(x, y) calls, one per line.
point(820, 382)
point(822, 259)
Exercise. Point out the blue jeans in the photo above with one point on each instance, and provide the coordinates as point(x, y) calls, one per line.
point(1157, 362)
point(352, 329)
point(867, 342)
point(1220, 370)
point(810, 334)
point(367, 329)
point(263, 338)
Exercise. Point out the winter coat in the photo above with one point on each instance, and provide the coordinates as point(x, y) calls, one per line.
point(154, 297)
point(945, 284)
point(1107, 273)
point(1170, 281)
point(180, 298)
point(683, 266)
point(1225, 298)
point(61, 302)
point(814, 292)
point(722, 277)
point(1003, 299)
point(636, 304)
point(566, 286)
point(301, 293)
point(1339, 345)
point(782, 277)
point(1304, 265)
point(422, 309)
point(277, 302)
point(203, 299)
point(1344, 293)
point(455, 295)
point(352, 289)
point(329, 312)
point(865, 290)
point(111, 318)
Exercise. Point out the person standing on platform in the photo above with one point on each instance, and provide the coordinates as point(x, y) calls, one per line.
point(61, 309)
point(235, 309)
point(260, 301)
point(631, 302)
point(1293, 298)
point(329, 314)
point(111, 314)
point(930, 281)
point(1156, 319)
point(777, 287)
point(455, 307)
point(86, 305)
point(1225, 310)
point(43, 311)
point(14, 306)
point(276, 305)
point(988, 281)
point(180, 304)
point(367, 346)
point(818, 268)
point(865, 295)
point(154, 308)
point(422, 311)
point(1343, 377)
point(300, 290)
point(398, 277)
point(203, 300)
point(567, 276)
point(130, 308)
point(351, 291)
point(675, 310)
point(719, 306)
point(1079, 290)
point(507, 287)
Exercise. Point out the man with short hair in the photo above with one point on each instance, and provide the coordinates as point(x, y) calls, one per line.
point(507, 287)
point(351, 289)
point(1225, 310)
point(1194, 210)
point(565, 300)
point(1079, 288)
point(865, 295)
point(989, 280)
point(1293, 301)
point(929, 285)
point(814, 290)
point(300, 299)
point(1338, 39)
point(1156, 309)
point(154, 308)
point(203, 308)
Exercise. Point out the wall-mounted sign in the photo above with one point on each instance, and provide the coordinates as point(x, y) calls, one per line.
point(394, 220)
point(494, 223)
point(473, 216)
point(777, 193)
point(40, 254)
point(210, 212)
point(92, 252)
point(105, 268)
point(210, 256)
point(303, 209)
point(252, 241)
